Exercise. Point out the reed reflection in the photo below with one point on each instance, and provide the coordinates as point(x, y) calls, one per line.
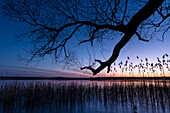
point(112, 96)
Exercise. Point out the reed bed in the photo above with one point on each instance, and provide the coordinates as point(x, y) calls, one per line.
point(79, 98)
point(143, 67)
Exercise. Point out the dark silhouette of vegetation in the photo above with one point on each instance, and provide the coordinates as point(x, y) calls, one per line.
point(114, 96)
point(144, 68)
point(54, 23)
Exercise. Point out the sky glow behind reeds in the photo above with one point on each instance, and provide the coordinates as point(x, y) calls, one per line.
point(10, 49)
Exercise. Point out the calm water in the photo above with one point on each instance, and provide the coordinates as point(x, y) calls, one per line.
point(116, 96)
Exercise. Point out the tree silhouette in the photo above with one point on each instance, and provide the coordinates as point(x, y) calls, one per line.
point(52, 23)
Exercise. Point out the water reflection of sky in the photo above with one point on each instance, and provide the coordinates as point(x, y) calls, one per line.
point(117, 96)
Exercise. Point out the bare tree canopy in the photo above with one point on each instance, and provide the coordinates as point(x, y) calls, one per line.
point(52, 23)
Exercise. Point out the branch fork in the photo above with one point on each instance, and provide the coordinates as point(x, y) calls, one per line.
point(101, 67)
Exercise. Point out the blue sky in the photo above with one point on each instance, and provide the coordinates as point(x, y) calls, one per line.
point(10, 49)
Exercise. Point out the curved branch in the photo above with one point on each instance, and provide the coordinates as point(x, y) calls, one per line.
point(114, 56)
point(63, 43)
point(91, 38)
point(131, 28)
point(139, 37)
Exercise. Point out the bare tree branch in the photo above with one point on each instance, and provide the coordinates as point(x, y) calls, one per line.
point(139, 37)
point(131, 30)
point(52, 23)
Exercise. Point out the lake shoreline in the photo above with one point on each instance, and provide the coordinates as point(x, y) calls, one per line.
point(91, 78)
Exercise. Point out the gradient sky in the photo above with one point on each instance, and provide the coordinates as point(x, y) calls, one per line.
point(10, 49)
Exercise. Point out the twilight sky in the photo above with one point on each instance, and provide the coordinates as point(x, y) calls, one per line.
point(10, 49)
